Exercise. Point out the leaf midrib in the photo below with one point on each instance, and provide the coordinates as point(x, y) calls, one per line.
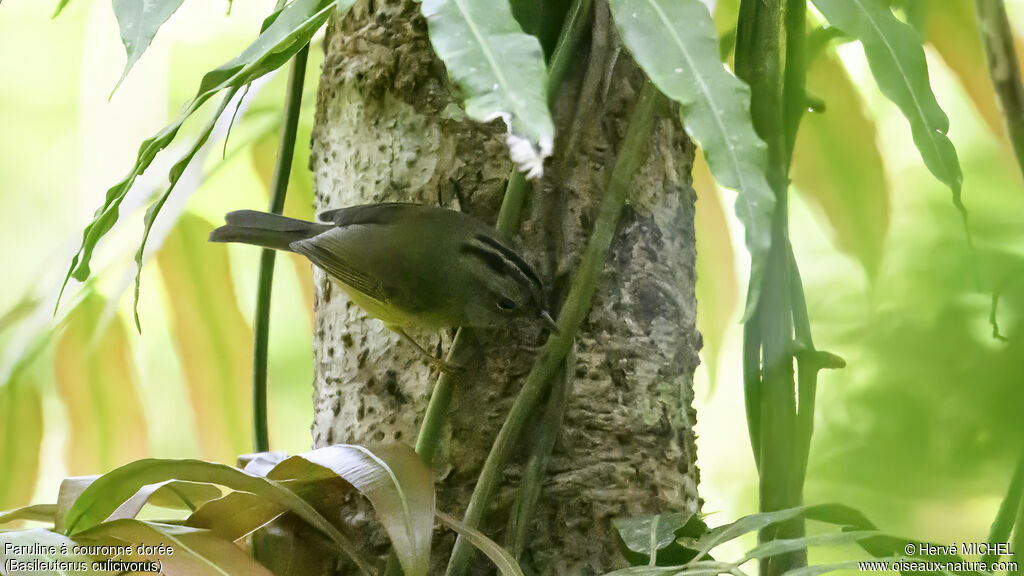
point(485, 49)
point(398, 488)
point(707, 97)
point(903, 75)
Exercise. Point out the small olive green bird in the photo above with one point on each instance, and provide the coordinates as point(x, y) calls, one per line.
point(408, 265)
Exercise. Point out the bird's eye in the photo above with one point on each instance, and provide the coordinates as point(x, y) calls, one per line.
point(506, 304)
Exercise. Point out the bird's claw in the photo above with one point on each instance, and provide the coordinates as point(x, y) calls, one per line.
point(447, 367)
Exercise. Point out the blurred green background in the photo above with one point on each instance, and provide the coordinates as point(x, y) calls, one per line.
point(921, 431)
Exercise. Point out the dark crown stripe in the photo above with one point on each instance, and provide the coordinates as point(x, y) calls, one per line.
point(492, 259)
point(497, 262)
point(513, 258)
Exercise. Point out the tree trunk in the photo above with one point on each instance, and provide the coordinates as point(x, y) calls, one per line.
point(388, 128)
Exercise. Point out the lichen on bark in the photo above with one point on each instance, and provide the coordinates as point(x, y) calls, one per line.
point(388, 128)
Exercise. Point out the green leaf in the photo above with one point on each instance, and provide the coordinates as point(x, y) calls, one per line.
point(952, 28)
point(235, 515)
point(285, 33)
point(677, 46)
point(506, 564)
point(103, 497)
point(836, 514)
point(60, 8)
point(744, 525)
point(169, 494)
point(154, 209)
point(94, 372)
point(139, 21)
point(70, 489)
point(15, 314)
point(500, 70)
point(776, 547)
point(647, 534)
point(837, 165)
point(306, 552)
point(40, 541)
point(261, 463)
point(395, 480)
point(397, 483)
point(839, 515)
point(884, 547)
point(183, 495)
point(826, 568)
point(209, 332)
point(195, 552)
point(898, 64)
point(21, 438)
point(33, 513)
point(239, 514)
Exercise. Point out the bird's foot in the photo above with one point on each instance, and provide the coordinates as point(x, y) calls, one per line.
point(446, 367)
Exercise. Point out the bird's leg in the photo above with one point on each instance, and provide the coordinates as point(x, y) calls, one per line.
point(439, 363)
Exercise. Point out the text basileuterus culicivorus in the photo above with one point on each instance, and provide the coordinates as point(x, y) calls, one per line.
point(408, 265)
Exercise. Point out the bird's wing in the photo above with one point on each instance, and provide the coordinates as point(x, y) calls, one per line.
point(328, 252)
point(385, 213)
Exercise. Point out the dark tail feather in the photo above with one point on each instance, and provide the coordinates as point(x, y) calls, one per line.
point(264, 229)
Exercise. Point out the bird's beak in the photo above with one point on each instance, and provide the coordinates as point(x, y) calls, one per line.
point(549, 322)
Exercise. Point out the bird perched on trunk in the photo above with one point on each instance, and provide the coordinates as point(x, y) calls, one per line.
point(408, 265)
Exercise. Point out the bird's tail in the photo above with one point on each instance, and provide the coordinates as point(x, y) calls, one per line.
point(265, 229)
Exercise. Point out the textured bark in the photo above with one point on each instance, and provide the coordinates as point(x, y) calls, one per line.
point(387, 129)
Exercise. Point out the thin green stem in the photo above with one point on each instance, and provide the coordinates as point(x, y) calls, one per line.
point(1018, 540)
point(516, 536)
point(770, 57)
point(577, 305)
point(463, 345)
point(1002, 526)
point(278, 190)
point(575, 25)
point(795, 80)
point(752, 383)
point(1003, 66)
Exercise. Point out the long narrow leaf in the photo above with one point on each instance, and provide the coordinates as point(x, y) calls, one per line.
point(951, 27)
point(898, 64)
point(210, 334)
point(194, 552)
point(139, 21)
point(21, 437)
point(838, 166)
point(60, 8)
point(649, 534)
point(289, 547)
point(21, 550)
point(506, 564)
point(33, 513)
point(285, 34)
point(111, 490)
point(169, 494)
point(776, 547)
point(70, 489)
point(849, 565)
point(235, 515)
point(397, 483)
point(95, 379)
point(744, 525)
point(500, 70)
point(154, 209)
point(677, 46)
